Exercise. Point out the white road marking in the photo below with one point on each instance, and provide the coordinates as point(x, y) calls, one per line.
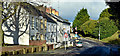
point(86, 42)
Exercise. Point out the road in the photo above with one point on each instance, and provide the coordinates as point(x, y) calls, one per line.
point(89, 48)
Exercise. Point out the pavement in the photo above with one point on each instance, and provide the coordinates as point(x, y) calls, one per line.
point(89, 48)
point(12, 48)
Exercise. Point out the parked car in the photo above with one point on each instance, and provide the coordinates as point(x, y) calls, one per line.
point(79, 44)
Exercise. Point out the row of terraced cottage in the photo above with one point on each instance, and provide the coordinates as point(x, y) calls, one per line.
point(37, 25)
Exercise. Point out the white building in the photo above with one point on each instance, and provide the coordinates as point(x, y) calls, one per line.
point(27, 24)
point(56, 27)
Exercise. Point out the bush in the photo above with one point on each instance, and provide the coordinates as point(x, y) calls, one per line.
point(107, 28)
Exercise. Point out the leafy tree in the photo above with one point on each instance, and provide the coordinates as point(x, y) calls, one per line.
point(107, 27)
point(88, 26)
point(105, 13)
point(115, 11)
point(81, 18)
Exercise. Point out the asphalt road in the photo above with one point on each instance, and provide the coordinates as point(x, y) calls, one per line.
point(89, 48)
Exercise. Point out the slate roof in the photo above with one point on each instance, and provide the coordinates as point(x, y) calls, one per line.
point(30, 8)
point(64, 21)
point(60, 19)
point(34, 11)
point(45, 15)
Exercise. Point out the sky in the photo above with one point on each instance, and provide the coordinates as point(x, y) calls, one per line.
point(68, 9)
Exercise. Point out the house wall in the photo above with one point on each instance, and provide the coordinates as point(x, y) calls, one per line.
point(20, 34)
point(60, 32)
point(51, 33)
point(37, 28)
point(67, 30)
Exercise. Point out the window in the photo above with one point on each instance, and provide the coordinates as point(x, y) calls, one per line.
point(32, 23)
point(36, 23)
point(41, 37)
point(48, 28)
point(41, 23)
point(52, 27)
point(37, 36)
point(41, 20)
point(41, 26)
point(45, 23)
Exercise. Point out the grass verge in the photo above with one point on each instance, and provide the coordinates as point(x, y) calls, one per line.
point(114, 39)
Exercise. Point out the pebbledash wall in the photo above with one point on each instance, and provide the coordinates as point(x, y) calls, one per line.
point(12, 35)
point(25, 30)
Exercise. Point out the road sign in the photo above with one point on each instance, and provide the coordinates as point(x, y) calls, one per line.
point(65, 35)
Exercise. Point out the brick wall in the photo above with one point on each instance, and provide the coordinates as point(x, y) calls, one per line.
point(50, 46)
point(37, 42)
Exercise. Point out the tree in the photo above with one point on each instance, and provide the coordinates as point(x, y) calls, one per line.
point(88, 26)
point(81, 18)
point(107, 28)
point(115, 11)
point(105, 13)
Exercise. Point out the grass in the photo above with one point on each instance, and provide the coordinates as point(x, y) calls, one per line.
point(114, 39)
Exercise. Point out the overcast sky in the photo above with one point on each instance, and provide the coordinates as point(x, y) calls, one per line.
point(78, 0)
point(69, 8)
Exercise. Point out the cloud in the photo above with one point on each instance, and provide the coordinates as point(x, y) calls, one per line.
point(68, 10)
point(77, 0)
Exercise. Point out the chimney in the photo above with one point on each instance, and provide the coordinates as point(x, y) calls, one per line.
point(47, 10)
point(50, 10)
point(56, 13)
point(53, 11)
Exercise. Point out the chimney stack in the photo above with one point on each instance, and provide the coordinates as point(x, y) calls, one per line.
point(48, 10)
point(53, 11)
point(56, 13)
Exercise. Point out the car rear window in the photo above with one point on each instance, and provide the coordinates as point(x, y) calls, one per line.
point(79, 42)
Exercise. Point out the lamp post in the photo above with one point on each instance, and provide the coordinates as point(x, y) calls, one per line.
point(99, 30)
